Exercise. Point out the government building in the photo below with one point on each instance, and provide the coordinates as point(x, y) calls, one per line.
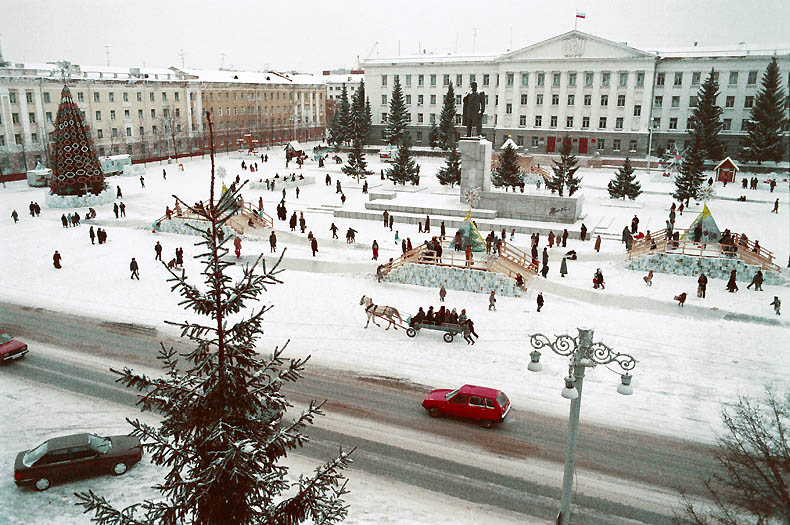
point(608, 98)
point(152, 113)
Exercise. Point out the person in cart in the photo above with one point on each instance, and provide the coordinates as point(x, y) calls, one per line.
point(419, 318)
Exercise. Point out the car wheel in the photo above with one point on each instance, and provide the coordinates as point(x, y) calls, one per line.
point(487, 423)
point(411, 332)
point(42, 484)
point(434, 412)
point(448, 337)
point(119, 468)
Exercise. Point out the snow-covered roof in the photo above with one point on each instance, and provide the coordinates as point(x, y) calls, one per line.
point(425, 58)
point(725, 161)
point(346, 78)
point(738, 50)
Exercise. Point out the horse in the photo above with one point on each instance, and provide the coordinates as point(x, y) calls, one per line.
point(388, 313)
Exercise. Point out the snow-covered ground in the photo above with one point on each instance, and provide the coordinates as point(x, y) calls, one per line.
point(690, 360)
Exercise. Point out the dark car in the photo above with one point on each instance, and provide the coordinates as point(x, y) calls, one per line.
point(485, 405)
point(78, 455)
point(10, 348)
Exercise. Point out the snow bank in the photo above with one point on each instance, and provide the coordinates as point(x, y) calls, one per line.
point(75, 201)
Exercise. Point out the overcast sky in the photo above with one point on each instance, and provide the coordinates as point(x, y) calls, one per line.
point(310, 36)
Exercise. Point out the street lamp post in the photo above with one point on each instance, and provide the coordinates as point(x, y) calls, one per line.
point(583, 353)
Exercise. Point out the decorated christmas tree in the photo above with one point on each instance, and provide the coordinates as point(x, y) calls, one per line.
point(470, 235)
point(75, 166)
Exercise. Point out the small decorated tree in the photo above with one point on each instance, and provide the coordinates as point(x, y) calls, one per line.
point(508, 174)
point(624, 183)
point(357, 166)
point(76, 169)
point(450, 174)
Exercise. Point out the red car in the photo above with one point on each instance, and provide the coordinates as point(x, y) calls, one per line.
point(10, 348)
point(485, 405)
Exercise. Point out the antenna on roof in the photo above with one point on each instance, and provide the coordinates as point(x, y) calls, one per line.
point(107, 52)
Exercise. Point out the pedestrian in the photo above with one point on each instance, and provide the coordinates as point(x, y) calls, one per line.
point(375, 249)
point(32, 209)
point(732, 286)
point(64, 221)
point(328, 180)
point(392, 221)
point(545, 256)
point(776, 303)
point(119, 193)
point(342, 198)
point(164, 174)
point(297, 192)
point(512, 234)
point(158, 250)
point(634, 224)
point(338, 188)
point(544, 271)
point(397, 238)
point(467, 332)
point(598, 281)
point(551, 239)
point(702, 285)
point(757, 281)
point(142, 184)
point(92, 235)
point(122, 207)
point(314, 245)
point(583, 233)
point(56, 260)
point(680, 209)
point(773, 185)
point(386, 218)
point(419, 226)
point(333, 229)
point(540, 300)
point(442, 230)
point(302, 222)
point(427, 224)
point(237, 246)
point(468, 255)
point(409, 247)
point(15, 216)
point(681, 299)
point(292, 222)
point(179, 257)
point(598, 244)
point(563, 268)
point(648, 278)
point(135, 269)
point(442, 293)
point(776, 206)
point(564, 237)
point(669, 230)
point(492, 301)
point(403, 246)
point(114, 209)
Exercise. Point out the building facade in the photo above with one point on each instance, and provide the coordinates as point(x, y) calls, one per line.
point(335, 80)
point(608, 98)
point(155, 113)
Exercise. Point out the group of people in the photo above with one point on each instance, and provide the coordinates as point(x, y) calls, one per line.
point(445, 316)
point(71, 219)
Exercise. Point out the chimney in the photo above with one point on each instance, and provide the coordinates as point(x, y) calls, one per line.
point(3, 63)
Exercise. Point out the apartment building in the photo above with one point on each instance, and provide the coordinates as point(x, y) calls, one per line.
point(609, 98)
point(155, 113)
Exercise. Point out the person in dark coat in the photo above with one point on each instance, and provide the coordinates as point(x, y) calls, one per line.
point(56, 260)
point(409, 247)
point(427, 224)
point(634, 224)
point(757, 281)
point(92, 235)
point(545, 271)
point(392, 221)
point(702, 285)
point(64, 221)
point(314, 245)
point(545, 256)
point(629, 240)
point(534, 251)
point(583, 232)
point(564, 237)
point(119, 193)
point(135, 269)
point(403, 247)
point(418, 318)
point(302, 222)
point(598, 281)
point(777, 304)
point(563, 268)
point(179, 256)
point(292, 222)
point(732, 286)
point(273, 242)
point(15, 216)
point(115, 209)
point(698, 232)
point(681, 299)
point(598, 244)
point(626, 233)
point(333, 229)
point(158, 250)
point(32, 209)
point(540, 300)
point(442, 229)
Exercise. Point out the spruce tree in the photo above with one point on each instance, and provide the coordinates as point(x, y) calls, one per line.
point(764, 139)
point(433, 136)
point(403, 168)
point(360, 119)
point(368, 120)
point(447, 120)
point(706, 120)
point(624, 183)
point(397, 118)
point(222, 435)
point(344, 118)
point(689, 180)
point(564, 171)
point(450, 174)
point(508, 173)
point(356, 166)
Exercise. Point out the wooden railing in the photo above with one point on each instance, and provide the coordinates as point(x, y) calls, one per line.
point(742, 248)
point(238, 222)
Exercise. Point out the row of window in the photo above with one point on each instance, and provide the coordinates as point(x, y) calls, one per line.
point(540, 78)
point(12, 96)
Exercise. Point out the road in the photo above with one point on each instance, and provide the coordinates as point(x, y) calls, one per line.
point(622, 475)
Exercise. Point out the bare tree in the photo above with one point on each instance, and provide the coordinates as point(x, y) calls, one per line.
point(753, 485)
point(171, 127)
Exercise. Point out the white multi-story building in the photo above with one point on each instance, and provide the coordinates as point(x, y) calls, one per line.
point(335, 80)
point(606, 97)
point(155, 113)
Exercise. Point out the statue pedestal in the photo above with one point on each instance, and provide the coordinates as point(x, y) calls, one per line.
point(475, 163)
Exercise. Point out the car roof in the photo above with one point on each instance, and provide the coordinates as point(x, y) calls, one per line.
point(479, 391)
point(74, 440)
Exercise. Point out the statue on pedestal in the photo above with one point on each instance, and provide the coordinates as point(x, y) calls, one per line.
point(474, 106)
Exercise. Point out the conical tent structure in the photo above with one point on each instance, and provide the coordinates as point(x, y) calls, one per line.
point(471, 235)
point(710, 231)
point(76, 169)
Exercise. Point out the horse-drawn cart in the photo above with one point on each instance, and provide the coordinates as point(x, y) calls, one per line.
point(449, 329)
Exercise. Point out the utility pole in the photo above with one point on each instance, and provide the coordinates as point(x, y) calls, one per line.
point(107, 53)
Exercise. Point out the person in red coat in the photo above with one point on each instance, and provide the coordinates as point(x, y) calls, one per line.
point(375, 250)
point(237, 246)
point(598, 244)
point(314, 245)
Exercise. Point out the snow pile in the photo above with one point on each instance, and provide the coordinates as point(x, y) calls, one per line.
point(133, 170)
point(464, 279)
point(75, 201)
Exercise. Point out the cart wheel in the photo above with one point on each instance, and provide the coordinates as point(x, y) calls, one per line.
point(411, 332)
point(448, 337)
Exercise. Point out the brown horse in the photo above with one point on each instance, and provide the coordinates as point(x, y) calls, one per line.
point(388, 313)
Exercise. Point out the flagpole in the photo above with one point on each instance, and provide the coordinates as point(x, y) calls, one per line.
point(575, 21)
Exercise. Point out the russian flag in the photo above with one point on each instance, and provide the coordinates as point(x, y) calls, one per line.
point(579, 14)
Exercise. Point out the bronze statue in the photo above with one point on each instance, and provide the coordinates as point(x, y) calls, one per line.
point(474, 106)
